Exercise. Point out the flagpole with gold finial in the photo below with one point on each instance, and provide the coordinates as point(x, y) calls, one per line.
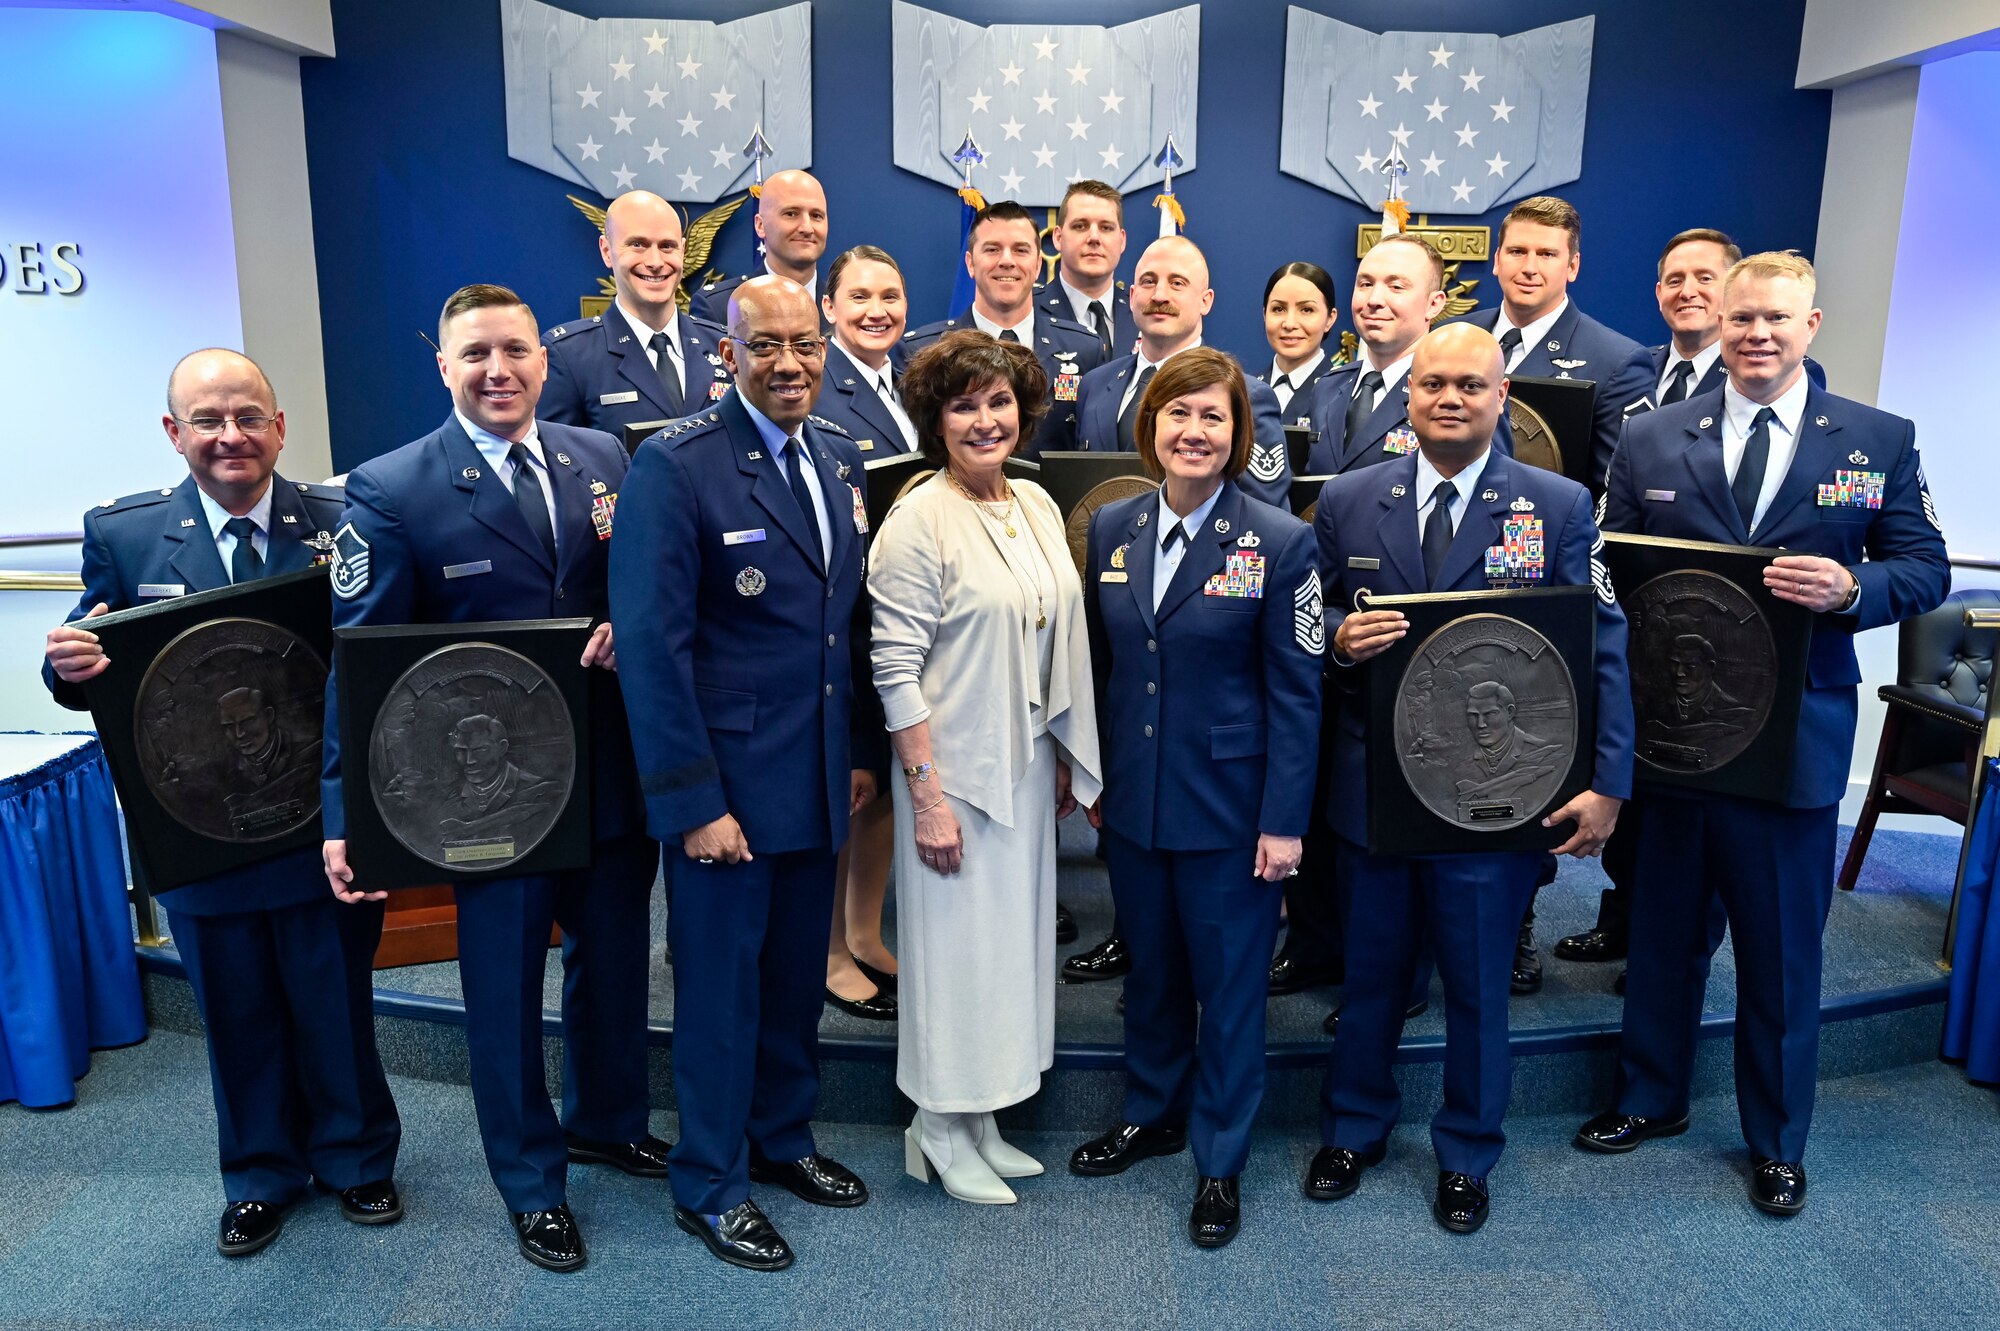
point(757, 150)
point(969, 155)
point(1395, 212)
point(1172, 219)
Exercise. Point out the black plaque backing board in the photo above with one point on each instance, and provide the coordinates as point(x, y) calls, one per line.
point(1070, 476)
point(1568, 406)
point(165, 852)
point(1305, 493)
point(887, 479)
point(1299, 440)
point(1763, 770)
point(371, 660)
point(638, 432)
point(1399, 823)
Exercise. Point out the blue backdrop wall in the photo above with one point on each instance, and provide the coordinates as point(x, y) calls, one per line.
point(1693, 121)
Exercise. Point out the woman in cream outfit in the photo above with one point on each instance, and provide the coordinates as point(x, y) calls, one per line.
point(982, 659)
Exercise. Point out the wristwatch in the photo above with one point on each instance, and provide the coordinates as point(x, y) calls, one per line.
point(1853, 595)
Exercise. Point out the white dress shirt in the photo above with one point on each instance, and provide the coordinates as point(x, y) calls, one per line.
point(885, 388)
point(495, 450)
point(1080, 304)
point(1466, 483)
point(225, 542)
point(1391, 376)
point(675, 350)
point(1704, 358)
point(1166, 561)
point(776, 441)
point(1025, 330)
point(1531, 336)
point(1286, 382)
point(1141, 366)
point(1737, 414)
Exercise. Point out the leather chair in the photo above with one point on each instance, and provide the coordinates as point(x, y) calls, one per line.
point(1937, 707)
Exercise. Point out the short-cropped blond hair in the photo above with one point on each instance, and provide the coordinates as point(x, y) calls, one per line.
point(1774, 263)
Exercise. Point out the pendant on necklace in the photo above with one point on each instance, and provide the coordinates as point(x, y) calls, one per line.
point(1041, 621)
point(1010, 528)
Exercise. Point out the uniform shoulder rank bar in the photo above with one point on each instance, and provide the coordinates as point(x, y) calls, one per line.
point(1853, 489)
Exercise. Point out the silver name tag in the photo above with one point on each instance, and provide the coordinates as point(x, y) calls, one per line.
point(147, 589)
point(614, 399)
point(1664, 496)
point(467, 570)
point(1358, 561)
point(743, 537)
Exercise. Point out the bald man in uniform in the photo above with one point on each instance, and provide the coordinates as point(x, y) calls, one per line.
point(791, 226)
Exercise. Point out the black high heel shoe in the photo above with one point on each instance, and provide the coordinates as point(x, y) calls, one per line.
point(880, 1006)
point(885, 981)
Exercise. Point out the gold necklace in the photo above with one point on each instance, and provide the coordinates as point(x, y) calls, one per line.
point(1006, 520)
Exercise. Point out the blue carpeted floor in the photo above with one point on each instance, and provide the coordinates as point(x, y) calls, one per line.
point(110, 1208)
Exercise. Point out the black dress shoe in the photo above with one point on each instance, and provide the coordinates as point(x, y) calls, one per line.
point(883, 980)
point(1777, 1187)
point(1065, 925)
point(741, 1236)
point(1217, 1212)
point(1289, 976)
point(374, 1203)
point(246, 1227)
point(878, 1006)
point(1107, 961)
point(1613, 1133)
point(645, 1158)
point(1461, 1203)
point(1124, 1146)
point(816, 1179)
point(550, 1239)
point(1335, 1172)
point(1417, 1009)
point(1592, 945)
point(1527, 978)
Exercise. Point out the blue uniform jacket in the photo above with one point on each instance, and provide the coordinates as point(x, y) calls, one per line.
point(710, 302)
point(1068, 352)
point(1269, 475)
point(1208, 710)
point(1302, 409)
point(140, 541)
point(1579, 347)
point(1052, 300)
point(1372, 515)
point(599, 375)
point(1668, 480)
point(742, 646)
point(1717, 374)
point(847, 401)
point(425, 517)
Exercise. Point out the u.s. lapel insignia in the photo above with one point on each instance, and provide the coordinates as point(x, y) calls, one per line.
point(598, 487)
point(1522, 504)
point(1857, 457)
point(1248, 540)
point(1222, 526)
point(289, 518)
point(754, 455)
point(187, 522)
point(1118, 556)
point(470, 473)
point(1490, 496)
point(1397, 492)
point(750, 582)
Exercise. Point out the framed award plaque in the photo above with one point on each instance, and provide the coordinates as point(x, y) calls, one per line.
point(1553, 424)
point(1083, 482)
point(1481, 720)
point(465, 750)
point(1718, 664)
point(211, 716)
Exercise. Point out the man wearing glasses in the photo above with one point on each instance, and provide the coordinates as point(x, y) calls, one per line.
point(736, 580)
point(282, 975)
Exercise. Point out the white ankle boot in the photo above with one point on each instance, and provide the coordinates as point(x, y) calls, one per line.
point(1005, 1160)
point(941, 1146)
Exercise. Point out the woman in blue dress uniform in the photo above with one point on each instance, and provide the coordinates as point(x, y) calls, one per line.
point(1206, 633)
point(1299, 315)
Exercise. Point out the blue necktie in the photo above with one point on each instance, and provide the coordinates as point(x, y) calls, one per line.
point(1437, 531)
point(1749, 481)
point(528, 498)
point(670, 382)
point(794, 461)
point(245, 564)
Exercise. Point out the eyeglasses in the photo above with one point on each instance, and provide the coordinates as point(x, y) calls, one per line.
point(764, 348)
point(210, 426)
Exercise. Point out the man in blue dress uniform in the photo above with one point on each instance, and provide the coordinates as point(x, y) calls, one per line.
point(494, 516)
point(1396, 529)
point(1002, 251)
point(1770, 460)
point(1090, 243)
point(642, 359)
point(282, 976)
point(738, 574)
point(791, 231)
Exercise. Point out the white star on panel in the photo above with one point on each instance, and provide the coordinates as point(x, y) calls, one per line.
point(1406, 81)
point(1497, 165)
point(621, 68)
point(689, 180)
point(1011, 73)
point(1440, 58)
point(1367, 161)
point(689, 68)
point(1071, 180)
point(655, 152)
point(1113, 100)
point(1461, 192)
point(1369, 106)
point(1045, 49)
point(1079, 128)
point(1400, 135)
point(720, 156)
point(1502, 111)
point(1112, 156)
point(979, 100)
point(1466, 134)
point(655, 44)
point(1011, 128)
point(623, 176)
point(656, 95)
point(1472, 78)
point(688, 124)
point(1431, 163)
point(1078, 72)
point(1011, 182)
point(589, 96)
point(589, 148)
point(1046, 103)
point(725, 100)
point(622, 122)
point(1436, 110)
point(1045, 155)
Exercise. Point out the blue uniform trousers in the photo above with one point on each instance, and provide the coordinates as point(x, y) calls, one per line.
point(1200, 926)
point(288, 998)
point(1469, 907)
point(503, 938)
point(749, 944)
point(1772, 867)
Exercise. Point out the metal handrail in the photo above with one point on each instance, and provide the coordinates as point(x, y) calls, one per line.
point(24, 580)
